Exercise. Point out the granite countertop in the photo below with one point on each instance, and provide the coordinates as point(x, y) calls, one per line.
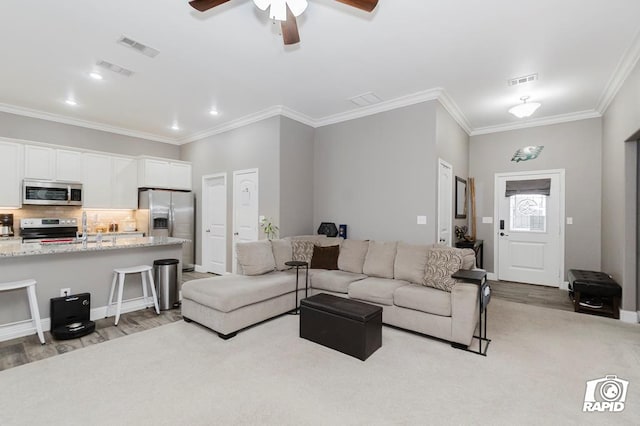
point(32, 249)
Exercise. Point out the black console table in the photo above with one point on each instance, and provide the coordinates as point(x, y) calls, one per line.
point(477, 246)
point(478, 278)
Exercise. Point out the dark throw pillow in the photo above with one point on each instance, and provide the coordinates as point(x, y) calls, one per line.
point(325, 257)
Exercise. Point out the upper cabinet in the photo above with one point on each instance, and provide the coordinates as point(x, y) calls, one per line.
point(109, 182)
point(11, 175)
point(161, 173)
point(39, 162)
point(69, 165)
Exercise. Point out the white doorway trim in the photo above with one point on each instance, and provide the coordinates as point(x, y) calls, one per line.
point(448, 221)
point(561, 219)
point(203, 228)
point(234, 265)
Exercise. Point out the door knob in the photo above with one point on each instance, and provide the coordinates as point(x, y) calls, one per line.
point(235, 233)
point(502, 234)
point(208, 230)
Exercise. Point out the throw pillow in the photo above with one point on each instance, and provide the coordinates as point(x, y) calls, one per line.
point(282, 252)
point(302, 250)
point(411, 261)
point(468, 255)
point(441, 264)
point(352, 254)
point(255, 257)
point(325, 257)
point(380, 258)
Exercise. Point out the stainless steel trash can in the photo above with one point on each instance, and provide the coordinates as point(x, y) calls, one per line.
point(165, 274)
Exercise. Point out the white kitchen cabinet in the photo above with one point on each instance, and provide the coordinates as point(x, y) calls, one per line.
point(124, 175)
point(11, 174)
point(97, 171)
point(159, 173)
point(39, 162)
point(68, 165)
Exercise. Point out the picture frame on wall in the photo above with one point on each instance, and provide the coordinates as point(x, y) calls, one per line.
point(461, 198)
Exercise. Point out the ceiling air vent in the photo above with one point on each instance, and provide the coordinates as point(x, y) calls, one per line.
point(522, 80)
point(366, 99)
point(115, 68)
point(145, 50)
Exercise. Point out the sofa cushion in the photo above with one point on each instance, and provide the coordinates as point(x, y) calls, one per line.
point(302, 250)
point(282, 252)
point(376, 290)
point(411, 262)
point(325, 257)
point(380, 258)
point(329, 241)
point(255, 257)
point(441, 264)
point(230, 292)
point(352, 255)
point(425, 299)
point(336, 281)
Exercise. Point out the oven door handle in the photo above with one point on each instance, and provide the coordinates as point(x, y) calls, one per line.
point(69, 193)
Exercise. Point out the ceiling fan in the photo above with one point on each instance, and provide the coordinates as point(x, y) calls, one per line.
point(284, 11)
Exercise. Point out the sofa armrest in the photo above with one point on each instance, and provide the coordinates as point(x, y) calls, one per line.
point(464, 312)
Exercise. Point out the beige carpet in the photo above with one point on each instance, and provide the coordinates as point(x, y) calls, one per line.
point(182, 374)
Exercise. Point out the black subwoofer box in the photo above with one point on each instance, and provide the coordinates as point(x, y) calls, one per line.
point(70, 316)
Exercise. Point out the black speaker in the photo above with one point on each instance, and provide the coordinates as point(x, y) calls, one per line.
point(70, 316)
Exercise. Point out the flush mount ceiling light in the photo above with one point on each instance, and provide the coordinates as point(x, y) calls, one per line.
point(524, 109)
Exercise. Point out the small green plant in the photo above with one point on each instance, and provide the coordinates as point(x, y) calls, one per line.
point(269, 228)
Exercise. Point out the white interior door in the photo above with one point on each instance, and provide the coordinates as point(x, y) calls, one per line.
point(214, 223)
point(245, 208)
point(530, 231)
point(445, 202)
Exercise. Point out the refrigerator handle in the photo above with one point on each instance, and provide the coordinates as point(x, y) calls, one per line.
point(171, 219)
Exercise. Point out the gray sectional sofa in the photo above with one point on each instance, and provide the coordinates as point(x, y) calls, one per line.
point(411, 283)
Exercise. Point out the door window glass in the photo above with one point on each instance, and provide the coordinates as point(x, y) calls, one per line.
point(528, 213)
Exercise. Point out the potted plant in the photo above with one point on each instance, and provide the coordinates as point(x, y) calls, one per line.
point(268, 227)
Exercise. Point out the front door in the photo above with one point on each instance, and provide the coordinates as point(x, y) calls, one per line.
point(214, 223)
point(445, 202)
point(245, 208)
point(529, 227)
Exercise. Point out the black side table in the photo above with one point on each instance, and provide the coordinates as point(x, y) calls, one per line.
point(300, 264)
point(478, 247)
point(478, 278)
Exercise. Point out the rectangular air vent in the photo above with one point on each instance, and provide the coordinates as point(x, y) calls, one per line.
point(522, 80)
point(366, 99)
point(145, 50)
point(114, 68)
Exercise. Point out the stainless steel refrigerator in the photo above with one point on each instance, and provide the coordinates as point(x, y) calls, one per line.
point(164, 213)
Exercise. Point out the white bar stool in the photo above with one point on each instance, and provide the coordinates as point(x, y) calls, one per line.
point(119, 275)
point(30, 285)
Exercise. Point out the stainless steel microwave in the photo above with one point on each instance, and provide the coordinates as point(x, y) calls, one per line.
point(51, 193)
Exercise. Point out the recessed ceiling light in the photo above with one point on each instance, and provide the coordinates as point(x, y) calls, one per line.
point(71, 102)
point(95, 76)
point(213, 112)
point(175, 127)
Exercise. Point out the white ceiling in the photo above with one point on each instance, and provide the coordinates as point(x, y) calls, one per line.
point(232, 58)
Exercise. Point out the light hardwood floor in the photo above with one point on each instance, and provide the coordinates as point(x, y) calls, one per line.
point(28, 349)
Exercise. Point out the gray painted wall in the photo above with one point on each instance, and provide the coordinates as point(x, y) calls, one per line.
point(296, 178)
point(452, 144)
point(253, 146)
point(619, 191)
point(37, 130)
point(575, 147)
point(377, 173)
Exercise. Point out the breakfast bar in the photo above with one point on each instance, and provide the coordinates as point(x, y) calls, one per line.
point(80, 267)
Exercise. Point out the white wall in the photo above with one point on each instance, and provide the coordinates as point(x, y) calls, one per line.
point(377, 173)
point(575, 147)
point(619, 206)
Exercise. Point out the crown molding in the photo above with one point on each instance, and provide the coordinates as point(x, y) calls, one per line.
point(623, 69)
point(298, 116)
point(28, 112)
point(545, 121)
point(452, 108)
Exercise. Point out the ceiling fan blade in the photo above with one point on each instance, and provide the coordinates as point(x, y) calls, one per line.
point(289, 27)
point(366, 5)
point(204, 5)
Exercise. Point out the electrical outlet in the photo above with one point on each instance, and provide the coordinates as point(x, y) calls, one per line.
point(65, 292)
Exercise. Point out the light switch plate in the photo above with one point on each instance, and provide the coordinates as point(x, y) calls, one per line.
point(569, 221)
point(422, 220)
point(487, 219)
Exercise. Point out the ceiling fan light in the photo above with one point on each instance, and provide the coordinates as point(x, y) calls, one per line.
point(278, 10)
point(297, 6)
point(262, 4)
point(525, 109)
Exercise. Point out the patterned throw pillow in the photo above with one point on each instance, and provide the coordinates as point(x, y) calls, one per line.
point(441, 264)
point(302, 250)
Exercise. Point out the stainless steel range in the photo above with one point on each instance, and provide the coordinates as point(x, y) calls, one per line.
point(48, 230)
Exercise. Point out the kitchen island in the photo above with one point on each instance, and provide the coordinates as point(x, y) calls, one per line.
point(84, 268)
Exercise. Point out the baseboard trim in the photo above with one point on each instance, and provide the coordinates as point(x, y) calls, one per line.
point(200, 268)
point(564, 285)
point(629, 316)
point(492, 276)
point(26, 328)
